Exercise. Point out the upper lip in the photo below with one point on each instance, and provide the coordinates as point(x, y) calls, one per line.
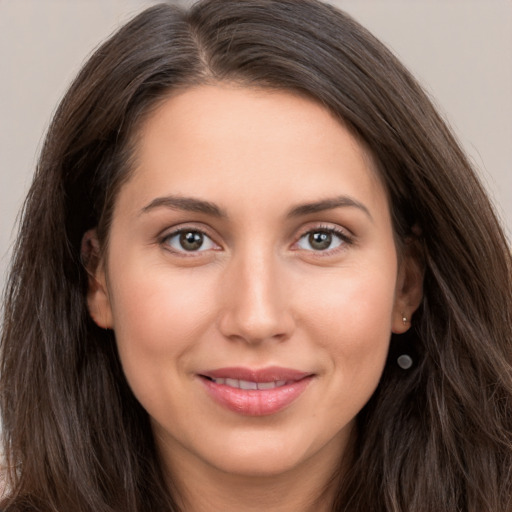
point(269, 374)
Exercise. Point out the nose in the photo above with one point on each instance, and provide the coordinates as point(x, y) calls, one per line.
point(256, 304)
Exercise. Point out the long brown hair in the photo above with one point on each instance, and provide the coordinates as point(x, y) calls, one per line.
point(435, 438)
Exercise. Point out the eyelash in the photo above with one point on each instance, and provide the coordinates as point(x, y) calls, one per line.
point(165, 241)
point(344, 238)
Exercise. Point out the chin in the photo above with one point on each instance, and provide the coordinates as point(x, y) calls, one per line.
point(270, 454)
point(259, 463)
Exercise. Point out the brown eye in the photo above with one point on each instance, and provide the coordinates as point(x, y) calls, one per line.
point(191, 240)
point(320, 240)
point(323, 240)
point(188, 240)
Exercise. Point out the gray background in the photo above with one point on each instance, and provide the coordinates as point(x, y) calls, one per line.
point(461, 50)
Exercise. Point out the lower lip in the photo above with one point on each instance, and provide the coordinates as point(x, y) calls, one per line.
point(256, 402)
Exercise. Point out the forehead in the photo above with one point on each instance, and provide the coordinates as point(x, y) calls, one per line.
point(206, 109)
point(224, 138)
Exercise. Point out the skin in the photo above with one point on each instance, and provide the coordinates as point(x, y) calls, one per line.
point(257, 293)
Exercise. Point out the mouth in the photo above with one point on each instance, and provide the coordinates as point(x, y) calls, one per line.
point(255, 392)
point(247, 384)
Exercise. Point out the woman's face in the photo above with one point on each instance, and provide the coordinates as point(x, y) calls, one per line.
point(252, 280)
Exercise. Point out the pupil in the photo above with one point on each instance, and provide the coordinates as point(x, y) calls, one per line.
point(320, 240)
point(191, 240)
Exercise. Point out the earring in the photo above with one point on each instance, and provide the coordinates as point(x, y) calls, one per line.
point(404, 319)
point(404, 361)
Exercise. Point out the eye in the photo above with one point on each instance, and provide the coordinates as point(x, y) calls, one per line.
point(189, 240)
point(322, 239)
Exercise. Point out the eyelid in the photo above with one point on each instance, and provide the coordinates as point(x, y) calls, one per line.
point(346, 237)
point(173, 231)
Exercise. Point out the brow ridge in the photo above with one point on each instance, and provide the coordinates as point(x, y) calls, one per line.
point(201, 206)
point(328, 204)
point(189, 204)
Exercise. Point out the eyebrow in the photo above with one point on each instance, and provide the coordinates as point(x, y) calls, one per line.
point(192, 204)
point(328, 204)
point(188, 204)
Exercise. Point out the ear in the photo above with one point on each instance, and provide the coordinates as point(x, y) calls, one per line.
point(409, 286)
point(98, 302)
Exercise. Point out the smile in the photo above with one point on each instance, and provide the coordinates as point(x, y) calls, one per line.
point(255, 392)
point(246, 384)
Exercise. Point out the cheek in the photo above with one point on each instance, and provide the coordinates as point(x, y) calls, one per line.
point(159, 320)
point(350, 317)
point(352, 329)
point(156, 309)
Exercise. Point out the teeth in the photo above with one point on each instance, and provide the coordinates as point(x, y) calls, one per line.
point(266, 385)
point(245, 384)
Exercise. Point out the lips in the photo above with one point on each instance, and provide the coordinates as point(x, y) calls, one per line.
point(255, 392)
point(246, 384)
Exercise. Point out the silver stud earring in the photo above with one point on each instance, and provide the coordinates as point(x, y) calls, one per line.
point(404, 319)
point(404, 361)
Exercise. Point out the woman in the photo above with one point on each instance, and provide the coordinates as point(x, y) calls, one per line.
point(255, 272)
